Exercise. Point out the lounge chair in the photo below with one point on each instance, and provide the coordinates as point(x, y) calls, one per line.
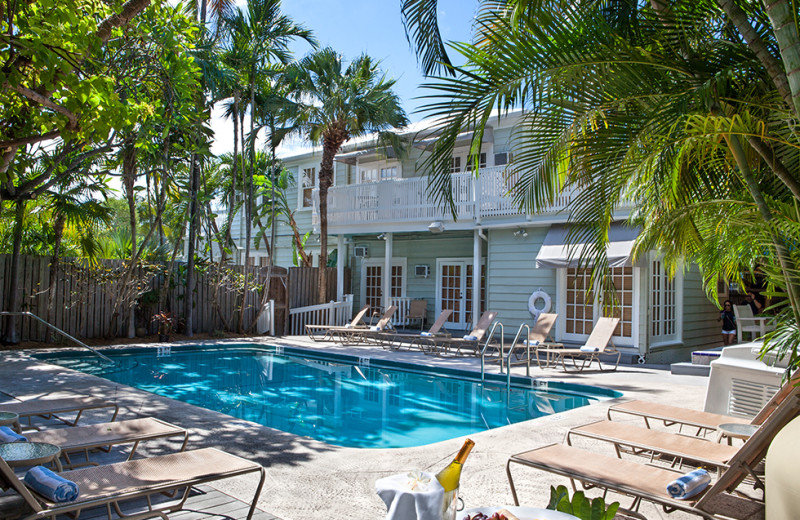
point(649, 483)
point(329, 331)
point(395, 341)
point(757, 326)
point(367, 335)
point(469, 342)
point(537, 339)
point(116, 484)
point(100, 436)
point(703, 421)
point(53, 408)
point(598, 344)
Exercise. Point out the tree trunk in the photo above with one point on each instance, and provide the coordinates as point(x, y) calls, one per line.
point(11, 336)
point(331, 143)
point(129, 181)
point(782, 17)
point(188, 298)
point(58, 233)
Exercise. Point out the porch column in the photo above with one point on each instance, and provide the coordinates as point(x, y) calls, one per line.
point(340, 256)
point(387, 273)
point(476, 277)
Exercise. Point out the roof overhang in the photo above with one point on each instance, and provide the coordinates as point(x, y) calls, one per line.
point(556, 252)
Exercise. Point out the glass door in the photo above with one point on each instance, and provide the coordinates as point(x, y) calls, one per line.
point(451, 292)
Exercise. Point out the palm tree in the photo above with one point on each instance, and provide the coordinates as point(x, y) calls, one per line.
point(335, 104)
point(259, 36)
point(665, 107)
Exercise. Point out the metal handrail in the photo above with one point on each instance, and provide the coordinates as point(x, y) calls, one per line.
point(46, 324)
point(511, 350)
point(486, 345)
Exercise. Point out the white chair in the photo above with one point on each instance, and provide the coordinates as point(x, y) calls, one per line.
point(757, 326)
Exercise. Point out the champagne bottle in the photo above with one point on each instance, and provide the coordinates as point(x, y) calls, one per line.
point(449, 478)
point(451, 474)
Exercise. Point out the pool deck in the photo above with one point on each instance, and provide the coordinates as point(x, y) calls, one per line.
point(308, 479)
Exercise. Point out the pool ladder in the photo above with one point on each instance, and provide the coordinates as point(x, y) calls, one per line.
point(486, 347)
point(50, 325)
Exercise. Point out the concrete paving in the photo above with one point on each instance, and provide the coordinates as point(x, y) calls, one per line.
point(309, 479)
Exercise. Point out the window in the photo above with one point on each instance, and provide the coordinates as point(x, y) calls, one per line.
point(503, 158)
point(471, 161)
point(367, 175)
point(389, 173)
point(455, 164)
point(582, 307)
point(309, 181)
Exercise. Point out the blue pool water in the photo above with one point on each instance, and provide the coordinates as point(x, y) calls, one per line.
point(341, 400)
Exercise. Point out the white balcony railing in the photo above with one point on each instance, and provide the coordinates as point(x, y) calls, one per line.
point(407, 200)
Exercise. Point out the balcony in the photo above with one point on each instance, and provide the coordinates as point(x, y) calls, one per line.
point(404, 204)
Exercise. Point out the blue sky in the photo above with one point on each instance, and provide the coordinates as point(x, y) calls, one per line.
point(353, 27)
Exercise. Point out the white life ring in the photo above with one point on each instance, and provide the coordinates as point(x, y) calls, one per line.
point(535, 309)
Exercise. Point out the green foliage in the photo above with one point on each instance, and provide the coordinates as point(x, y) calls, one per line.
point(297, 258)
point(580, 506)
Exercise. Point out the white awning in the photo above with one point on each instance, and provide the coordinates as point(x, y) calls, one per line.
point(555, 251)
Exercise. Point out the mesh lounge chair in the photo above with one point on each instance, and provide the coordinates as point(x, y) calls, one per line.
point(703, 421)
point(123, 482)
point(445, 345)
point(598, 344)
point(54, 408)
point(100, 436)
point(649, 483)
point(367, 335)
point(395, 341)
point(329, 331)
point(537, 338)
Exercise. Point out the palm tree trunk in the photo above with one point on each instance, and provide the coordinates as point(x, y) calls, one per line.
point(330, 147)
point(58, 233)
point(129, 180)
point(782, 17)
point(11, 336)
point(188, 298)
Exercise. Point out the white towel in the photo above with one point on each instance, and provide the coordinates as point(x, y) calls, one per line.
point(426, 334)
point(587, 348)
point(471, 338)
point(533, 343)
point(375, 328)
point(9, 435)
point(689, 485)
point(411, 496)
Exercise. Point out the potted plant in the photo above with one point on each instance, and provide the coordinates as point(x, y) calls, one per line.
point(165, 321)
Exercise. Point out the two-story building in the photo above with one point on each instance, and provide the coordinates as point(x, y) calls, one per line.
point(400, 244)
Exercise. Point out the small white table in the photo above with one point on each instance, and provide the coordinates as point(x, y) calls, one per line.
point(736, 430)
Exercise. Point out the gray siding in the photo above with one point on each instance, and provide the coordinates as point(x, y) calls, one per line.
point(513, 276)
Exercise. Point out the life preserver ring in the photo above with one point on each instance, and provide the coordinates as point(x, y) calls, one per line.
point(535, 309)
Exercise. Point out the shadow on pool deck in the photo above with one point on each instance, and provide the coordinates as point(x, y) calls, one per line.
point(308, 479)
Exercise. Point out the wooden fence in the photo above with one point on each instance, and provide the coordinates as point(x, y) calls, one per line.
point(89, 301)
point(303, 283)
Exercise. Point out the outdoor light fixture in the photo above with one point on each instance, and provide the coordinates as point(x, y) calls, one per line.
point(520, 232)
point(382, 236)
point(436, 227)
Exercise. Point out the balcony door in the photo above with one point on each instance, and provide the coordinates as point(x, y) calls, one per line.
point(454, 283)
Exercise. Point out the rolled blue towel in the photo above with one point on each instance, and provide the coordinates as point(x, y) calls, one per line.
point(51, 485)
point(471, 338)
point(9, 435)
point(375, 328)
point(533, 343)
point(689, 485)
point(426, 334)
point(587, 348)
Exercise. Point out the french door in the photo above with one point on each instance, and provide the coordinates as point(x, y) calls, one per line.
point(372, 281)
point(582, 308)
point(454, 286)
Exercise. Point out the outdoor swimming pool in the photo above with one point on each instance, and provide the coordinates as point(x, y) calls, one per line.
point(341, 400)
